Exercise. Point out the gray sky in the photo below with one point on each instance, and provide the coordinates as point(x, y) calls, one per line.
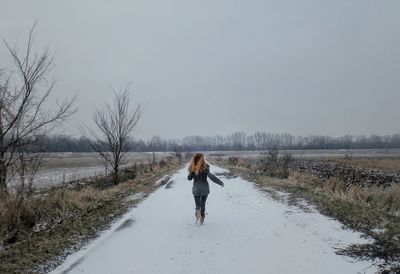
point(215, 67)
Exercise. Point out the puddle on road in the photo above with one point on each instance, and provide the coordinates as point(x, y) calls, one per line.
point(170, 184)
point(78, 262)
point(128, 223)
point(227, 175)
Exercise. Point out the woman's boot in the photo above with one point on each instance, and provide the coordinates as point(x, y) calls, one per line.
point(197, 215)
point(202, 219)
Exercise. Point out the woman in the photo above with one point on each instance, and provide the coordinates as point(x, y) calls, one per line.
point(198, 171)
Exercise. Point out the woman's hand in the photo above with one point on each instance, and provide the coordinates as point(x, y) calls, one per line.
point(222, 185)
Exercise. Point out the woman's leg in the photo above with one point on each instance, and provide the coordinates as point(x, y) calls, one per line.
point(197, 201)
point(197, 214)
point(203, 205)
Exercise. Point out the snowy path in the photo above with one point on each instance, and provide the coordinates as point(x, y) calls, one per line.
point(246, 231)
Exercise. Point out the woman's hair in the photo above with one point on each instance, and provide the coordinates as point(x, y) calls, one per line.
point(197, 164)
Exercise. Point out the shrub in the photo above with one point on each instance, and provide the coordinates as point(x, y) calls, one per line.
point(233, 160)
point(162, 163)
point(274, 165)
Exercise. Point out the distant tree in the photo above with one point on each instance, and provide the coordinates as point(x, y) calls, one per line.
point(250, 143)
point(115, 125)
point(238, 140)
point(139, 146)
point(287, 140)
point(260, 140)
point(155, 144)
point(24, 91)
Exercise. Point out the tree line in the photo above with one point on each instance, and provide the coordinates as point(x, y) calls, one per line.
point(237, 141)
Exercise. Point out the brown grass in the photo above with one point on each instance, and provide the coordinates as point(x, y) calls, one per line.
point(378, 198)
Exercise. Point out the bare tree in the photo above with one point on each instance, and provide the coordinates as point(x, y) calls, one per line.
point(115, 125)
point(238, 140)
point(26, 168)
point(155, 144)
point(24, 91)
point(177, 151)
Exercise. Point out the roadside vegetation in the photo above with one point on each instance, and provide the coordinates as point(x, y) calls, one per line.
point(371, 209)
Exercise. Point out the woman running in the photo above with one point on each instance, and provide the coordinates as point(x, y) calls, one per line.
point(199, 170)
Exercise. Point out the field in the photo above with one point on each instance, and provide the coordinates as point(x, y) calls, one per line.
point(58, 168)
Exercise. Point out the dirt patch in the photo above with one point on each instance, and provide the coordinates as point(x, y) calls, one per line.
point(390, 165)
point(350, 171)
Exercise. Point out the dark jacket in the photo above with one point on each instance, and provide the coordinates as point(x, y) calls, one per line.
point(200, 183)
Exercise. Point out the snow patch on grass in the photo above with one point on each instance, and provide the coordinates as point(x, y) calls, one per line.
point(163, 180)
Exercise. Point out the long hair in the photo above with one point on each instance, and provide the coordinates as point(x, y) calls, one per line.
point(197, 164)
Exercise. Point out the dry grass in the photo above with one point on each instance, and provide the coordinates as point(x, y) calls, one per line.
point(386, 199)
point(20, 217)
point(388, 165)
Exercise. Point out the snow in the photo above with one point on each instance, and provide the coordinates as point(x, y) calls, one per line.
point(245, 231)
point(162, 181)
point(136, 196)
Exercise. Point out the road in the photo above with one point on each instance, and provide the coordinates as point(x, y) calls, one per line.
point(245, 231)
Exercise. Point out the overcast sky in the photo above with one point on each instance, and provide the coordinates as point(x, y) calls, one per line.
point(218, 66)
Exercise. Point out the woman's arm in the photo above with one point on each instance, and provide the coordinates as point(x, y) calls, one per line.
point(190, 176)
point(214, 178)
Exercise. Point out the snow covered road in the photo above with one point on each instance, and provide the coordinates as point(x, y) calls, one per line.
point(245, 231)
